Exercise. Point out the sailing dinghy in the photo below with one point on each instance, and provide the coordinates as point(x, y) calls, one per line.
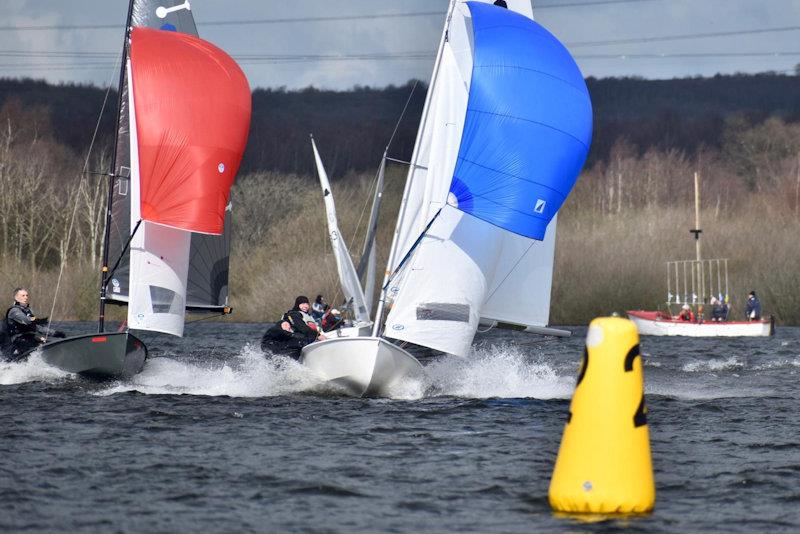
point(354, 299)
point(182, 125)
point(505, 130)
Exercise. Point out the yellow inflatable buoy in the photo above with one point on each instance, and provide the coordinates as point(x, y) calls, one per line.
point(604, 464)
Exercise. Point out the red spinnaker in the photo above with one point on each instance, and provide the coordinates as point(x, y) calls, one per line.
point(192, 120)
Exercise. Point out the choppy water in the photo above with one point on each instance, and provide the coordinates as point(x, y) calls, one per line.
point(213, 437)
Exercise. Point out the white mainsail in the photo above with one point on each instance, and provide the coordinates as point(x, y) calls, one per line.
point(351, 285)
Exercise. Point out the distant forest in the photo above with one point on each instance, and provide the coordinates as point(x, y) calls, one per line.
point(352, 127)
point(629, 212)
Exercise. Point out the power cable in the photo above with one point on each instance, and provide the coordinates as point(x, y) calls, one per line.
point(287, 20)
point(681, 37)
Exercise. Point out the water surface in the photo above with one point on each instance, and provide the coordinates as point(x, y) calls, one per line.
point(213, 436)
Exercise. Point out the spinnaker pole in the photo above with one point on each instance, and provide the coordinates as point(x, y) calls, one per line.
point(112, 173)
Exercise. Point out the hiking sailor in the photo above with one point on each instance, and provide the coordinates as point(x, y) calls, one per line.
point(295, 330)
point(301, 321)
point(22, 327)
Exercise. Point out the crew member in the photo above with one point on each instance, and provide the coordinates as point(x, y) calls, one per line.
point(23, 328)
point(753, 309)
point(686, 314)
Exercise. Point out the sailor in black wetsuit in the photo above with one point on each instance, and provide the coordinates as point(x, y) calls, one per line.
point(295, 330)
point(22, 331)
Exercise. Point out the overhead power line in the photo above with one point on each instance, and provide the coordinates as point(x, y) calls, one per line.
point(681, 37)
point(294, 20)
point(233, 22)
point(537, 7)
point(687, 54)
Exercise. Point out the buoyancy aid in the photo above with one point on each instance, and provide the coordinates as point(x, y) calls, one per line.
point(300, 322)
point(15, 329)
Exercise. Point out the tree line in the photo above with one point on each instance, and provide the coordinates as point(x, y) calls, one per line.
point(634, 195)
point(687, 114)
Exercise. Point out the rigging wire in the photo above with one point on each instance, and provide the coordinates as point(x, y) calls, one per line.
point(375, 178)
point(65, 248)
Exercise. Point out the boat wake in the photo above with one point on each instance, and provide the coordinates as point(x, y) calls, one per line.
point(503, 371)
point(727, 364)
point(247, 374)
point(32, 369)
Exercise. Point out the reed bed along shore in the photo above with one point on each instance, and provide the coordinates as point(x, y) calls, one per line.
point(623, 221)
point(607, 259)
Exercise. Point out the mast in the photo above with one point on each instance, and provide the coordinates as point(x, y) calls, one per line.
point(112, 174)
point(414, 158)
point(697, 231)
point(368, 254)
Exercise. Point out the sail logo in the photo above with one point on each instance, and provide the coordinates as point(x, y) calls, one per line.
point(539, 207)
point(162, 11)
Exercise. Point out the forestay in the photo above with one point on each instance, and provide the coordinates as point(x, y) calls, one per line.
point(351, 285)
point(503, 138)
point(190, 114)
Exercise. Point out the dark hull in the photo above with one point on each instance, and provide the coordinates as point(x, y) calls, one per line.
point(107, 355)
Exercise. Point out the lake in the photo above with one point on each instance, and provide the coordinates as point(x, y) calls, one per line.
point(213, 436)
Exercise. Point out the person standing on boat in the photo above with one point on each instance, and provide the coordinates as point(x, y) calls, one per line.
point(753, 309)
point(686, 314)
point(318, 308)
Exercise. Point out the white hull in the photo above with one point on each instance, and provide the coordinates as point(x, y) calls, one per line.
point(364, 366)
point(656, 327)
point(358, 330)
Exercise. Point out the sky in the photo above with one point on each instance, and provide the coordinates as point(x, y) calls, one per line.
point(337, 44)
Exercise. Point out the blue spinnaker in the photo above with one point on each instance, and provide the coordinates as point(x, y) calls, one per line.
point(528, 124)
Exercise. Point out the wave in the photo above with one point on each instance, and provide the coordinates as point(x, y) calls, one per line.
point(32, 369)
point(778, 364)
point(247, 374)
point(713, 365)
point(503, 371)
point(498, 371)
point(703, 391)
